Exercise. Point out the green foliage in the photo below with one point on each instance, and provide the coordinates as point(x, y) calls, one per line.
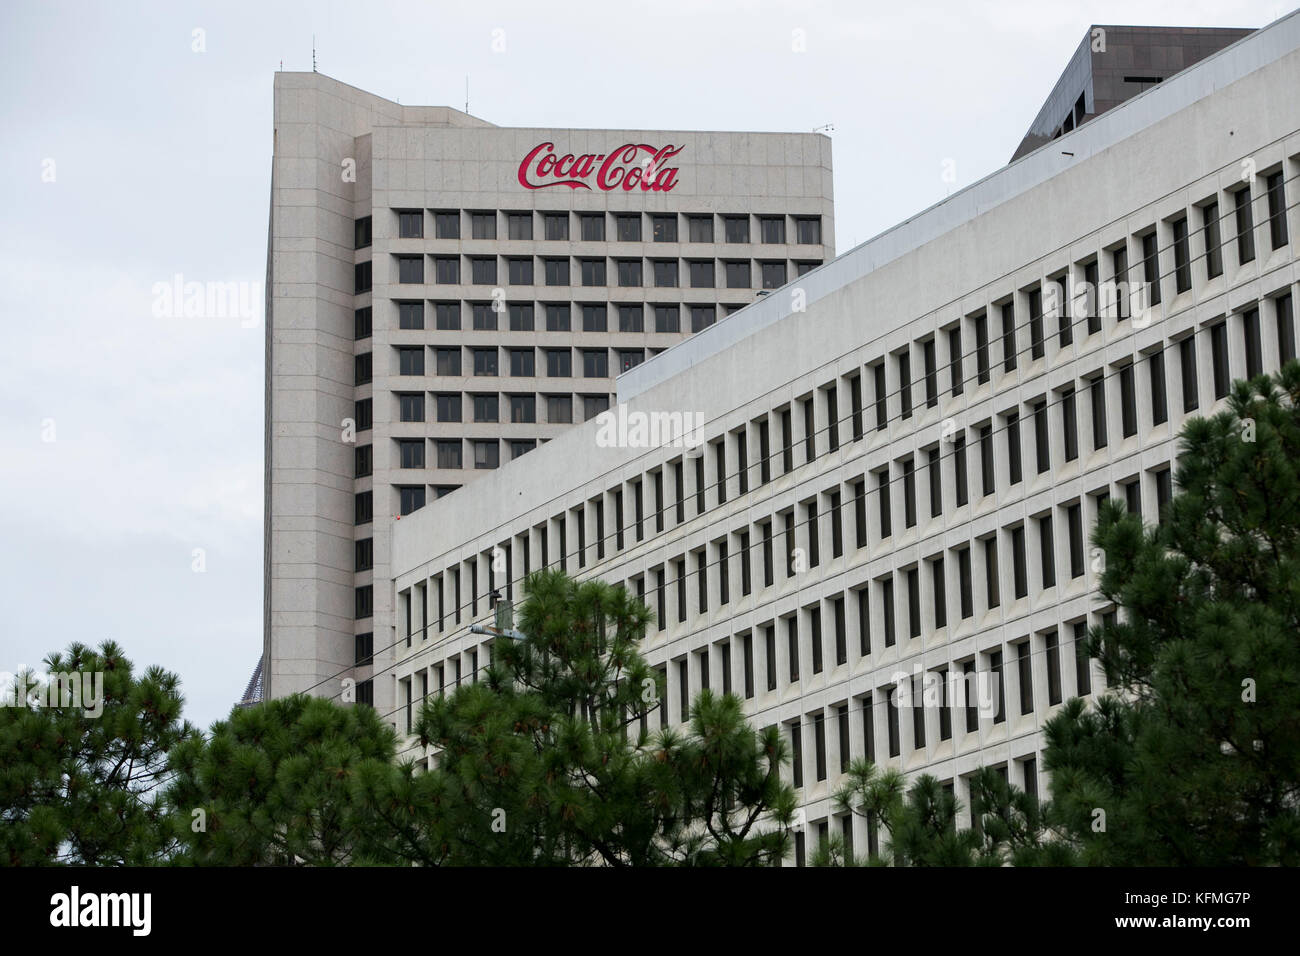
point(282, 783)
point(547, 760)
point(84, 789)
point(1194, 756)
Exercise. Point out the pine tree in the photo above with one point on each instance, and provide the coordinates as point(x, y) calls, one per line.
point(282, 783)
point(1193, 758)
point(549, 760)
point(80, 780)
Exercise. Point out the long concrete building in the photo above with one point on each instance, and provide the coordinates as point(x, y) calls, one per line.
point(443, 295)
point(904, 449)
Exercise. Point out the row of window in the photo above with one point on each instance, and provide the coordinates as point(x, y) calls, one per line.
point(597, 226)
point(588, 272)
point(823, 404)
point(521, 407)
point(554, 316)
point(594, 363)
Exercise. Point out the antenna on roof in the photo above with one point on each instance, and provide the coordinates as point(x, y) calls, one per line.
point(313, 53)
point(466, 92)
point(828, 128)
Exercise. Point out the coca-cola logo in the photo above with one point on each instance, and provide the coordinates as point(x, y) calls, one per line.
point(632, 166)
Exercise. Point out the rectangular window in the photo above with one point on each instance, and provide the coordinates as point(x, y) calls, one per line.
point(629, 273)
point(1219, 359)
point(938, 587)
point(1097, 392)
point(700, 273)
point(411, 408)
point(956, 365)
point(918, 715)
point(410, 315)
point(411, 453)
point(559, 363)
point(905, 384)
point(1036, 323)
point(447, 315)
point(555, 271)
point(887, 609)
point(995, 667)
point(913, 602)
point(1064, 322)
point(909, 493)
point(362, 323)
point(1019, 569)
point(1026, 675)
point(735, 228)
point(1014, 458)
point(1245, 226)
point(1083, 663)
point(487, 454)
point(1276, 210)
point(1074, 521)
point(592, 272)
point(1070, 424)
point(1091, 281)
point(771, 230)
point(446, 225)
point(991, 584)
point(594, 318)
point(1046, 552)
point(519, 225)
point(959, 466)
point(1052, 645)
point(967, 587)
point(483, 270)
point(485, 361)
point(1009, 347)
point(483, 225)
point(1182, 256)
point(448, 408)
point(1188, 371)
point(410, 361)
point(361, 277)
point(1151, 267)
point(363, 231)
point(931, 373)
point(519, 271)
point(882, 408)
point(483, 316)
point(1123, 291)
point(663, 228)
point(891, 719)
point(1159, 397)
point(982, 347)
point(936, 482)
point(449, 453)
point(772, 274)
point(1213, 242)
point(523, 408)
point(882, 495)
point(986, 458)
point(1042, 446)
point(1285, 328)
point(808, 230)
point(446, 269)
point(1128, 401)
point(1253, 343)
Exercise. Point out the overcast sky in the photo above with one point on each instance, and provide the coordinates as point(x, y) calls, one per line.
point(129, 441)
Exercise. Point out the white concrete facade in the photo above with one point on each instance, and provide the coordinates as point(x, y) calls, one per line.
point(439, 303)
point(927, 362)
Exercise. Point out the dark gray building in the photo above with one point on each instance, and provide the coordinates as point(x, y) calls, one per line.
point(1113, 64)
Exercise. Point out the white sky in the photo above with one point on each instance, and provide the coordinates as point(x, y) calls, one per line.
point(162, 166)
